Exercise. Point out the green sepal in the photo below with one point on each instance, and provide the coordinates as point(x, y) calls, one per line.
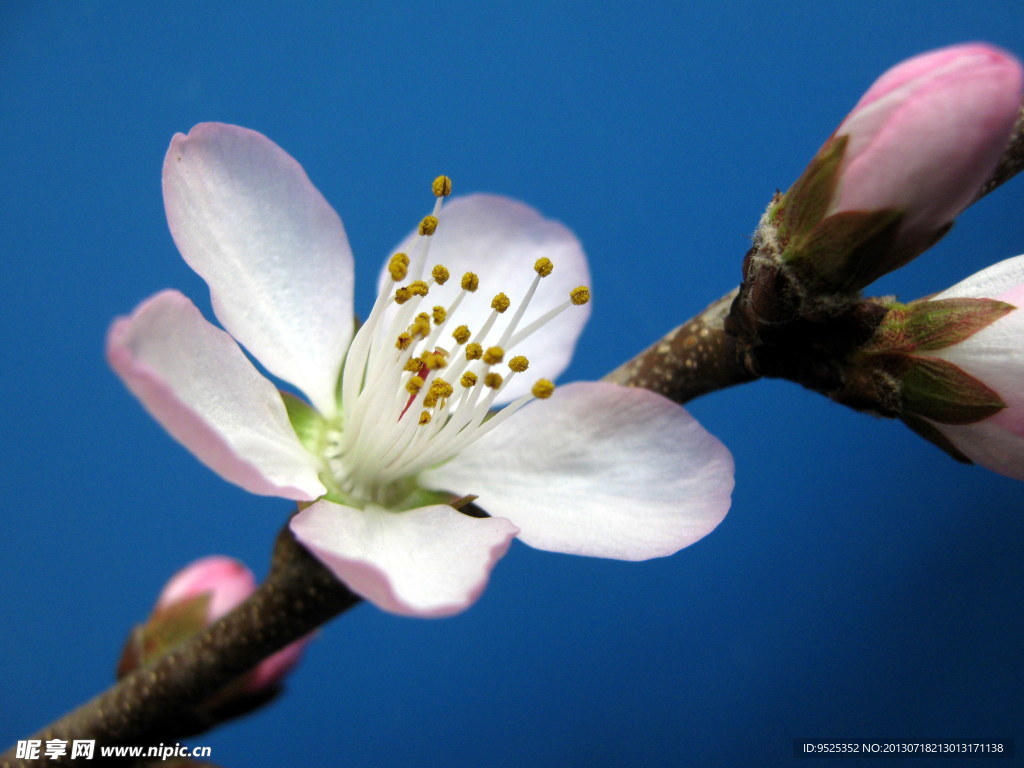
point(307, 422)
point(807, 201)
point(934, 435)
point(943, 392)
point(932, 325)
point(163, 631)
point(846, 251)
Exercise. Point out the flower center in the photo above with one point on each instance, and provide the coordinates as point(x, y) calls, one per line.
point(418, 385)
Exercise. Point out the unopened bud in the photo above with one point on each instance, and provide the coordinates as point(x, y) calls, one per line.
point(904, 163)
point(965, 391)
point(194, 598)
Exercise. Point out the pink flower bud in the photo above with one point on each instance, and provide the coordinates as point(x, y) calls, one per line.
point(994, 356)
point(214, 585)
point(928, 134)
point(227, 582)
point(912, 154)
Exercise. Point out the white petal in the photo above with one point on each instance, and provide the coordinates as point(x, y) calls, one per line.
point(995, 356)
point(598, 470)
point(431, 561)
point(195, 380)
point(997, 443)
point(247, 218)
point(500, 239)
point(991, 282)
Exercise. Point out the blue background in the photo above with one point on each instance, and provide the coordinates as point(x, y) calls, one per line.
point(863, 586)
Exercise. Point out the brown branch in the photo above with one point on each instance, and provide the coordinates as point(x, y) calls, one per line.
point(696, 358)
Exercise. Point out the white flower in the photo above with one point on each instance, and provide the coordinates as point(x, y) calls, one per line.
point(595, 469)
point(994, 356)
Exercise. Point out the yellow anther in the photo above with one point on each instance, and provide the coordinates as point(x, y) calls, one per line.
point(428, 226)
point(404, 340)
point(474, 351)
point(500, 303)
point(419, 288)
point(470, 282)
point(440, 274)
point(493, 380)
point(580, 295)
point(414, 385)
point(543, 267)
point(413, 365)
point(420, 326)
point(441, 388)
point(468, 379)
point(461, 334)
point(543, 389)
point(398, 266)
point(434, 361)
point(424, 418)
point(439, 315)
point(442, 186)
point(402, 295)
point(493, 355)
point(518, 364)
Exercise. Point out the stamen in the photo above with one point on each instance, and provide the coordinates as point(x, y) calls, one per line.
point(428, 226)
point(518, 364)
point(441, 388)
point(394, 367)
point(548, 316)
point(543, 267)
point(434, 361)
point(398, 266)
point(442, 186)
point(543, 389)
point(440, 274)
point(500, 303)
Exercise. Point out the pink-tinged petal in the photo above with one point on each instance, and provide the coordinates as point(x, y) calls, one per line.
point(273, 669)
point(431, 561)
point(995, 282)
point(928, 133)
point(995, 356)
point(247, 218)
point(923, 65)
point(226, 580)
point(195, 380)
point(997, 443)
point(500, 240)
point(598, 470)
